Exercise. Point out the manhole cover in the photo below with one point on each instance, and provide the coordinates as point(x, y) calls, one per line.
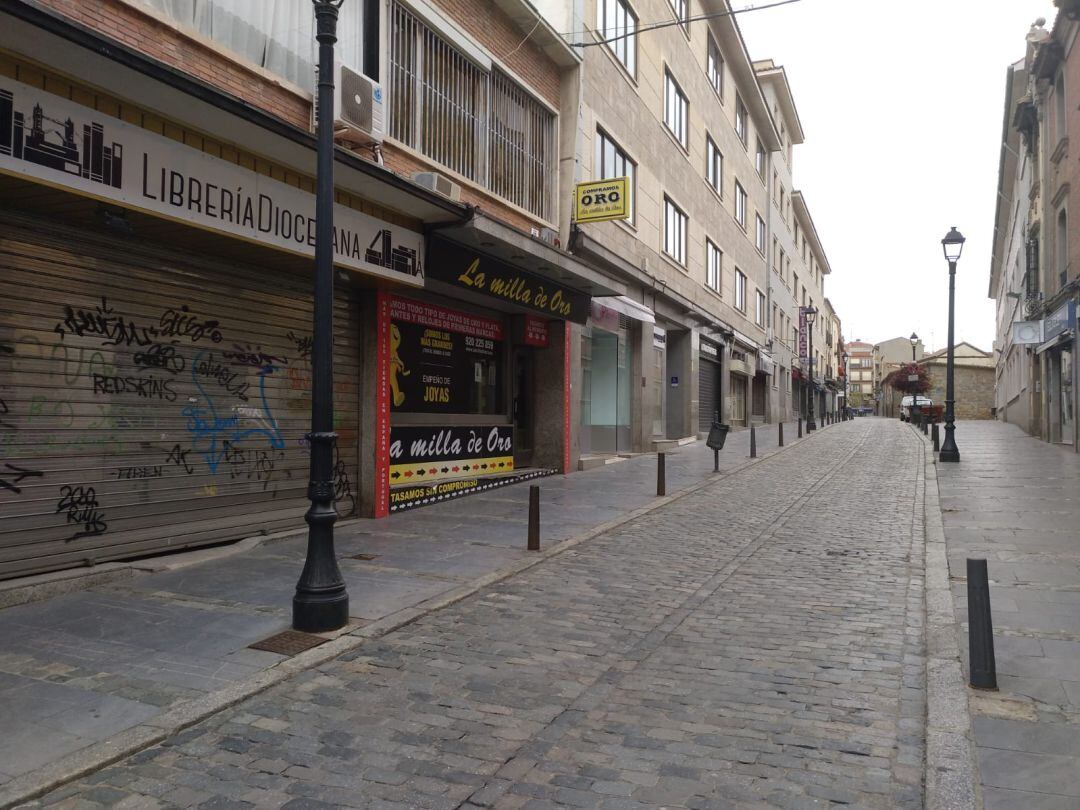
point(290, 642)
point(363, 556)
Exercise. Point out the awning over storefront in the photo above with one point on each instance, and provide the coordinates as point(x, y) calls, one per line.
point(1057, 340)
point(531, 254)
point(628, 307)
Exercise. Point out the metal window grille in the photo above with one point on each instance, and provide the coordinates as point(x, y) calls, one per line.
point(482, 126)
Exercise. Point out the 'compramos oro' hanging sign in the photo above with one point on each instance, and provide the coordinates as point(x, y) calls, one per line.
point(53, 140)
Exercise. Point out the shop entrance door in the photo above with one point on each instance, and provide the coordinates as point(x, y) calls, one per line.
point(738, 399)
point(523, 412)
point(605, 395)
point(1065, 399)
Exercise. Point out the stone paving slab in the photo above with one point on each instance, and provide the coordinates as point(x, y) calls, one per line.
point(160, 640)
point(743, 646)
point(1015, 501)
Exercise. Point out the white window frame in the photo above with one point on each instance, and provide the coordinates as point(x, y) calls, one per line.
point(740, 290)
point(676, 109)
point(742, 123)
point(714, 67)
point(714, 165)
point(676, 228)
point(740, 205)
point(759, 160)
point(714, 266)
point(621, 162)
point(759, 309)
point(759, 233)
point(617, 25)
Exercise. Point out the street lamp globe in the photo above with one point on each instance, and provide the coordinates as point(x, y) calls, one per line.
point(811, 314)
point(953, 245)
point(914, 339)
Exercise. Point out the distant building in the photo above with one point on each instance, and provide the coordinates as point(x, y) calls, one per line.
point(973, 380)
point(860, 374)
point(890, 355)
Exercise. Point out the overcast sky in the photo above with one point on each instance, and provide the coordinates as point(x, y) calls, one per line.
point(901, 104)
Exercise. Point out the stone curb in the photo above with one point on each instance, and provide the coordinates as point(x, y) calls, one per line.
point(951, 777)
point(98, 755)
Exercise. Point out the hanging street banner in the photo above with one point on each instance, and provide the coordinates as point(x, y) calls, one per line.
point(442, 360)
point(53, 140)
point(423, 454)
point(602, 200)
point(802, 338)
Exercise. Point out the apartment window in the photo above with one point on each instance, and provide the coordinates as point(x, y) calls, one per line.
point(1062, 247)
point(759, 310)
point(782, 206)
point(716, 68)
point(714, 260)
point(773, 322)
point(776, 257)
point(681, 9)
point(481, 125)
point(759, 230)
point(618, 27)
point(783, 274)
point(759, 159)
point(714, 166)
point(741, 116)
point(676, 108)
point(675, 222)
point(740, 290)
point(611, 161)
point(1060, 120)
point(280, 38)
point(740, 204)
point(796, 234)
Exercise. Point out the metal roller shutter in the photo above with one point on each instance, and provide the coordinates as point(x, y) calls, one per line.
point(151, 402)
point(708, 392)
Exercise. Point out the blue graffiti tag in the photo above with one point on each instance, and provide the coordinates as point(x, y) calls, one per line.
point(212, 435)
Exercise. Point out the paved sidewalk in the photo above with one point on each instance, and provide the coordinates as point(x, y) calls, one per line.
point(746, 645)
point(81, 668)
point(1015, 501)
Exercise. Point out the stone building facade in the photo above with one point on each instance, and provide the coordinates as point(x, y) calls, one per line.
point(973, 381)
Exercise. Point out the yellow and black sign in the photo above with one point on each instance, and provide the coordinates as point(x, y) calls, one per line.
point(602, 200)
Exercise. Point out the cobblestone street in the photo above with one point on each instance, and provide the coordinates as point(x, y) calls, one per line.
point(755, 643)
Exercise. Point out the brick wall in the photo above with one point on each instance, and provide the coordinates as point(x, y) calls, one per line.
point(972, 385)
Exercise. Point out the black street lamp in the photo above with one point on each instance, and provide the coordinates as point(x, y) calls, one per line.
point(952, 244)
point(811, 314)
point(914, 340)
point(321, 602)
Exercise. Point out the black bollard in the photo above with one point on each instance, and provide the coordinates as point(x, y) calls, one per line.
point(715, 452)
point(534, 518)
point(925, 426)
point(935, 436)
point(980, 627)
point(753, 442)
point(780, 433)
point(800, 429)
point(661, 483)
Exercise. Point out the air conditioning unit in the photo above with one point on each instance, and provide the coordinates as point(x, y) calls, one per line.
point(438, 183)
point(358, 107)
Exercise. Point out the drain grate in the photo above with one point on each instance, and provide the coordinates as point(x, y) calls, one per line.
point(289, 642)
point(363, 556)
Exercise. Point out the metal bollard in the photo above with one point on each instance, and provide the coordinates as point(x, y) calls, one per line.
point(935, 436)
point(661, 482)
point(925, 425)
point(534, 518)
point(980, 627)
point(780, 433)
point(753, 442)
point(800, 429)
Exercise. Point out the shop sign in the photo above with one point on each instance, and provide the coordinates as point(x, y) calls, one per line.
point(659, 338)
point(58, 142)
point(602, 200)
point(802, 334)
point(441, 360)
point(467, 269)
point(422, 454)
point(414, 495)
point(1064, 317)
point(536, 332)
point(606, 318)
point(709, 350)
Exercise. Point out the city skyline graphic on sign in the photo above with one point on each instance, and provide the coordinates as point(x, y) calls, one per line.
point(53, 143)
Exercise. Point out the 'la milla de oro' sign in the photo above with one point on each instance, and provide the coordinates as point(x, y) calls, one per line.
point(53, 140)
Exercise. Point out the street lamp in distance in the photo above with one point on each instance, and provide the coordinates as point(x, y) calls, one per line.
point(953, 246)
point(811, 315)
point(914, 340)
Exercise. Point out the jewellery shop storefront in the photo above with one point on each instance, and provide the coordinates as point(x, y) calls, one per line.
point(474, 377)
point(155, 332)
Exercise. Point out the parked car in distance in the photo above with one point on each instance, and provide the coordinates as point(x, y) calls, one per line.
point(910, 402)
